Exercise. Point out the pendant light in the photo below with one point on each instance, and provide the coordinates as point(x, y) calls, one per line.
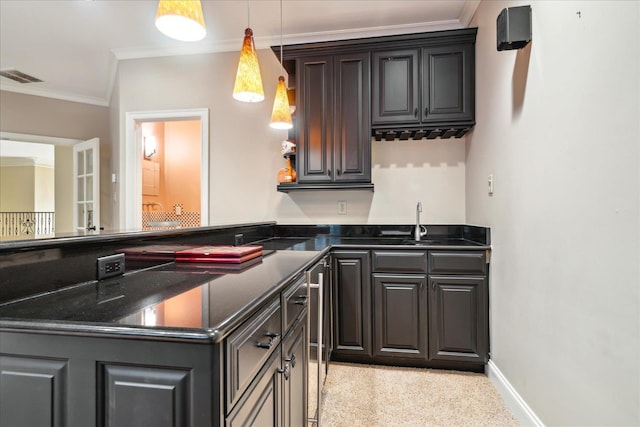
point(248, 86)
point(281, 114)
point(181, 20)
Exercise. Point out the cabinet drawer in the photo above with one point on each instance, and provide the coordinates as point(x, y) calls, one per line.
point(249, 347)
point(400, 261)
point(294, 299)
point(442, 262)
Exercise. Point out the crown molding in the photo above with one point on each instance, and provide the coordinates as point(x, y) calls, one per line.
point(469, 9)
point(38, 139)
point(47, 93)
point(233, 45)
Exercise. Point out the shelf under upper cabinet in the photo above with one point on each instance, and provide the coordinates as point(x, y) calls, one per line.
point(285, 188)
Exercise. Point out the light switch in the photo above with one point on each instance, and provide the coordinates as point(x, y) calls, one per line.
point(342, 207)
point(490, 183)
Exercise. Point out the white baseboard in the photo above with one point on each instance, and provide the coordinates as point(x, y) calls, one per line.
point(513, 400)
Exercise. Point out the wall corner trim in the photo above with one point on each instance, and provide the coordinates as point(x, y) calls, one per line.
point(513, 400)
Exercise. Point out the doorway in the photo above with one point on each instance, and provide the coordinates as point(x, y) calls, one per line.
point(53, 210)
point(156, 175)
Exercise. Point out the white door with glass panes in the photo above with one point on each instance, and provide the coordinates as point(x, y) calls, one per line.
point(86, 189)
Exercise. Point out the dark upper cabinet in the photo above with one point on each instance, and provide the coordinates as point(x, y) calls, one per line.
point(333, 144)
point(395, 89)
point(352, 118)
point(448, 84)
point(352, 303)
point(433, 85)
point(315, 115)
point(458, 318)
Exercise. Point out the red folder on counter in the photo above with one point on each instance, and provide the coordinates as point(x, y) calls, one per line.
point(154, 252)
point(219, 254)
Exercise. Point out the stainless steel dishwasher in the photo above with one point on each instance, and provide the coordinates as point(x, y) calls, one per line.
point(320, 330)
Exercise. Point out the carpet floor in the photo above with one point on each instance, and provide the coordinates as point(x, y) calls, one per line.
point(367, 395)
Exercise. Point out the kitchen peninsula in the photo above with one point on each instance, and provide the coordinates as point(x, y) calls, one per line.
point(218, 348)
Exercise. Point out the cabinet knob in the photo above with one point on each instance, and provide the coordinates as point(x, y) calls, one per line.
point(300, 300)
point(273, 336)
point(426, 111)
point(415, 113)
point(339, 171)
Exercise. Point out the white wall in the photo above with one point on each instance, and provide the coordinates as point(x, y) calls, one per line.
point(17, 188)
point(44, 183)
point(245, 152)
point(558, 126)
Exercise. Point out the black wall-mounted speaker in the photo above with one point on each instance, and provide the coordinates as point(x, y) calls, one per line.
point(514, 28)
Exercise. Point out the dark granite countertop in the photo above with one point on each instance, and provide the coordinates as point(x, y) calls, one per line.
point(172, 301)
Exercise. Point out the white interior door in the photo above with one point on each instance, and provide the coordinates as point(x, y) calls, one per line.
point(86, 188)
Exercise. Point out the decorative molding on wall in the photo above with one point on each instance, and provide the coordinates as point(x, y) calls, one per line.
point(514, 401)
point(65, 96)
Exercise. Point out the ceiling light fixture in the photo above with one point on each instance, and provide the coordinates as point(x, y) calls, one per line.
point(281, 114)
point(248, 86)
point(181, 20)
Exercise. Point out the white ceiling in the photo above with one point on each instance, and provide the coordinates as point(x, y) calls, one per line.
point(74, 45)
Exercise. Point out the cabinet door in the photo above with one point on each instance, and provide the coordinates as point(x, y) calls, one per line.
point(352, 303)
point(400, 315)
point(294, 378)
point(448, 89)
point(145, 396)
point(261, 405)
point(395, 87)
point(352, 118)
point(458, 323)
point(315, 115)
point(34, 391)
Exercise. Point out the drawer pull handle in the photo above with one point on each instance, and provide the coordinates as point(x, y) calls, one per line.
point(291, 359)
point(301, 300)
point(272, 338)
point(286, 371)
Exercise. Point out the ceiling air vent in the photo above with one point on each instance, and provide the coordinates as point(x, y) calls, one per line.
point(19, 76)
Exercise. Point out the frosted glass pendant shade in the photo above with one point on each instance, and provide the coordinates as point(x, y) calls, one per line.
point(181, 20)
point(281, 114)
point(248, 87)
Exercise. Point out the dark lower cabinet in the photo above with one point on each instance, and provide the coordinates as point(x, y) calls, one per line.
point(352, 303)
point(294, 375)
point(261, 405)
point(426, 308)
point(80, 381)
point(144, 396)
point(458, 327)
point(400, 315)
point(33, 391)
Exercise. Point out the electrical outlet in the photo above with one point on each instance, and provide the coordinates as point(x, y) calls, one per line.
point(238, 240)
point(342, 207)
point(111, 265)
point(490, 183)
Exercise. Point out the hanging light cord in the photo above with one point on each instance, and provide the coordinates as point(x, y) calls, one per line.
point(248, 14)
point(281, 63)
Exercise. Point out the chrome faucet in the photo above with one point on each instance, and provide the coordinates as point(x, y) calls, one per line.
point(420, 230)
